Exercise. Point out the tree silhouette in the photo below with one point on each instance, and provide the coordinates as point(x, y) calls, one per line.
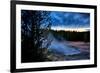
point(35, 26)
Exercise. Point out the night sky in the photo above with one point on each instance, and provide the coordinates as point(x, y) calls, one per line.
point(70, 19)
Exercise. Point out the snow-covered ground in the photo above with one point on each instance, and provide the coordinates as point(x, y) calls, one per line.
point(61, 50)
point(60, 46)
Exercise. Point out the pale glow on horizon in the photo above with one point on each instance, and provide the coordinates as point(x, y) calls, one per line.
point(70, 29)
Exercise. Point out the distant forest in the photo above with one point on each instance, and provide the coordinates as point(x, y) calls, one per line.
point(72, 36)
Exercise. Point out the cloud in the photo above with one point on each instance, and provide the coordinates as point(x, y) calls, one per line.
point(70, 19)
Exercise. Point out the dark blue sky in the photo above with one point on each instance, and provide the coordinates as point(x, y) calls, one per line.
point(70, 19)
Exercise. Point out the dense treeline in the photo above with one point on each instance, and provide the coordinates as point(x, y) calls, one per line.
point(72, 36)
